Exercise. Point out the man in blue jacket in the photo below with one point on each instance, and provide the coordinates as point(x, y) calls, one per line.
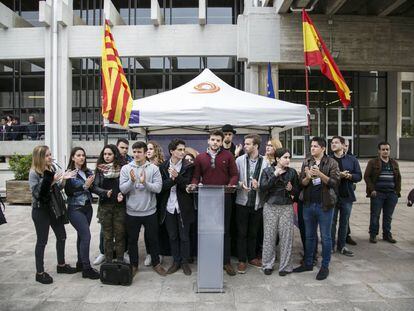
point(350, 173)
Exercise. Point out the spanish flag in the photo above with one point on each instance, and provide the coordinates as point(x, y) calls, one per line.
point(116, 94)
point(316, 53)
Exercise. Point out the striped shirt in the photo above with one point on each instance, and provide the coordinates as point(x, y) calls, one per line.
point(385, 182)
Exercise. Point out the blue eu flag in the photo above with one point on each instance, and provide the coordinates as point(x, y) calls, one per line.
point(270, 90)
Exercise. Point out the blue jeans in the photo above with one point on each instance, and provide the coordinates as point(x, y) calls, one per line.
point(387, 202)
point(344, 210)
point(313, 214)
point(80, 217)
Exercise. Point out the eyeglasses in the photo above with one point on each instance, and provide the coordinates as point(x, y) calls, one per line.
point(269, 145)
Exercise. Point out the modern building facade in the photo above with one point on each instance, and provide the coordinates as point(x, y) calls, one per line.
point(50, 62)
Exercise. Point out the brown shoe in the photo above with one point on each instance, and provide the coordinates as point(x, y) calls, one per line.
point(134, 270)
point(174, 268)
point(160, 270)
point(256, 262)
point(241, 267)
point(229, 269)
point(186, 269)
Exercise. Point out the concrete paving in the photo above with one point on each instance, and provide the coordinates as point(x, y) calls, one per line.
point(379, 277)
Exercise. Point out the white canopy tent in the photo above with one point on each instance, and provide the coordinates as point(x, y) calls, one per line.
point(207, 102)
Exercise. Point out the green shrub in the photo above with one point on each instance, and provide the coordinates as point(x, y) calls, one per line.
point(20, 165)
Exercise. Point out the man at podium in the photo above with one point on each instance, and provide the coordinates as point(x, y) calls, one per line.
point(217, 166)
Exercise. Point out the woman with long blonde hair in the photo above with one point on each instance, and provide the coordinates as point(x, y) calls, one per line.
point(42, 176)
point(272, 145)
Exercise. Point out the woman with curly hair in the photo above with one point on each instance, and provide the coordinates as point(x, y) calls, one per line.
point(111, 209)
point(155, 154)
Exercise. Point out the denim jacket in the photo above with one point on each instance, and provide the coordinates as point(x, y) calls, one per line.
point(75, 192)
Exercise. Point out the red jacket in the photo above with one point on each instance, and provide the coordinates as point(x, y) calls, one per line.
point(224, 173)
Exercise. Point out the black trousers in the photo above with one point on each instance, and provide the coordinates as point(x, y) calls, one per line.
point(228, 202)
point(42, 221)
point(179, 235)
point(248, 223)
point(133, 226)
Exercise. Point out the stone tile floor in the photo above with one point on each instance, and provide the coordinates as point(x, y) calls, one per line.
point(379, 277)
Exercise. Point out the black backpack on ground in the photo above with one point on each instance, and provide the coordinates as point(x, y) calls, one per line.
point(116, 273)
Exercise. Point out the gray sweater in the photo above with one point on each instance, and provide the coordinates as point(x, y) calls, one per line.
point(140, 198)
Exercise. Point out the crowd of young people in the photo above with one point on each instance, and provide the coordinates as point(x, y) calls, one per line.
point(148, 191)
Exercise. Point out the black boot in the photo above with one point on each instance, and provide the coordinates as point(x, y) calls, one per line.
point(90, 273)
point(322, 274)
point(389, 238)
point(44, 278)
point(67, 269)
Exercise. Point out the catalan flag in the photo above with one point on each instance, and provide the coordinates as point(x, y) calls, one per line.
point(316, 53)
point(116, 94)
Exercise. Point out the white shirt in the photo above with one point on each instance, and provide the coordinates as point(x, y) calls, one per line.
point(172, 204)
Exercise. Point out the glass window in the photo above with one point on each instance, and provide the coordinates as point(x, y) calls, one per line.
point(184, 12)
point(407, 112)
point(406, 104)
point(372, 90)
point(223, 11)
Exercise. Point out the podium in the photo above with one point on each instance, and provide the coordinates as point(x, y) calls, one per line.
point(210, 237)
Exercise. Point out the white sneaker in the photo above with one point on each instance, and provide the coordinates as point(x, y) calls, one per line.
point(126, 257)
point(147, 261)
point(99, 259)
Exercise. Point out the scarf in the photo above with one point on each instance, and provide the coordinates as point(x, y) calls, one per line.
point(108, 170)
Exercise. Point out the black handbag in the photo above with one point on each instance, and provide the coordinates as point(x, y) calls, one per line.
point(2, 207)
point(116, 273)
point(58, 204)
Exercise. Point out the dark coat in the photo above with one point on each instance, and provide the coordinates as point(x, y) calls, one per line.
point(351, 164)
point(99, 189)
point(185, 199)
point(329, 167)
point(373, 171)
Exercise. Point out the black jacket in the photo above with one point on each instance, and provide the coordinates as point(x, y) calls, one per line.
point(185, 200)
point(273, 188)
point(102, 190)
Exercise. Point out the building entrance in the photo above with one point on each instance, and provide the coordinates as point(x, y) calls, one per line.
point(327, 123)
point(364, 122)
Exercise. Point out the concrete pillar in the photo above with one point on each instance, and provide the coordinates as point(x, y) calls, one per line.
point(251, 78)
point(58, 82)
point(394, 102)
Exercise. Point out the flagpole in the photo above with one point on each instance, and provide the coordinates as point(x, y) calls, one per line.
point(103, 120)
point(308, 128)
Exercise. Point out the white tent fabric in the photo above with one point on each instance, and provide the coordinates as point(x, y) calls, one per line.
point(209, 101)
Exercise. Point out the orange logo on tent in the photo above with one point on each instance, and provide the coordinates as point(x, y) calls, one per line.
point(206, 87)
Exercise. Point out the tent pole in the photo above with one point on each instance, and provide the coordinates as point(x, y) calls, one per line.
point(105, 135)
point(146, 134)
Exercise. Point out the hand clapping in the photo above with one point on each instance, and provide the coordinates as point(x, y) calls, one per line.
point(89, 181)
